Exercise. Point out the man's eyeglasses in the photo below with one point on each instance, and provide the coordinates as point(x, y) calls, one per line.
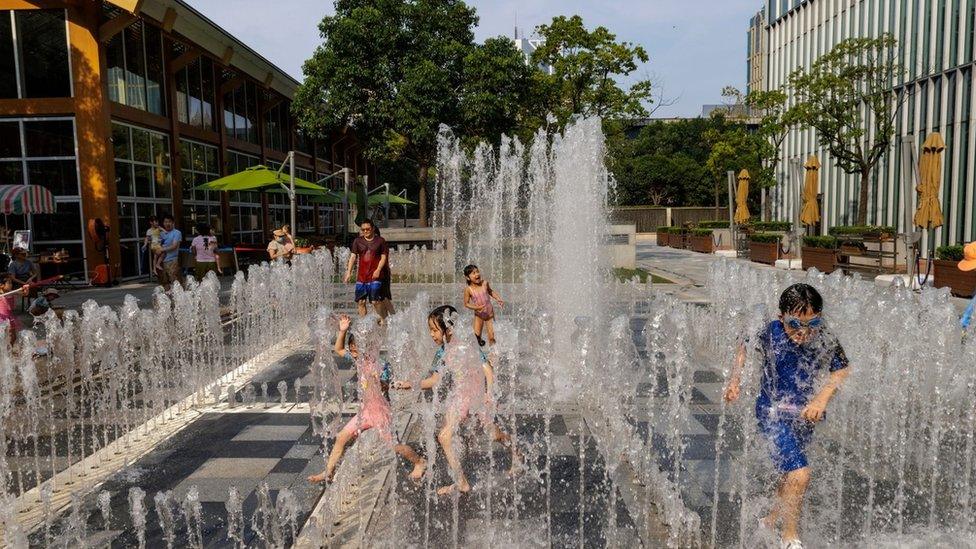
point(796, 324)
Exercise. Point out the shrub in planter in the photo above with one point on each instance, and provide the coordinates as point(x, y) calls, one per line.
point(676, 237)
point(820, 252)
point(883, 232)
point(303, 246)
point(766, 226)
point(948, 275)
point(701, 241)
point(713, 224)
point(764, 247)
point(662, 235)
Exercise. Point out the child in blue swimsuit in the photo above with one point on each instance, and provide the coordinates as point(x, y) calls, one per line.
point(796, 349)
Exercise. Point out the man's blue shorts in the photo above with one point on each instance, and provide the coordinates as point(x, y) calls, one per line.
point(787, 440)
point(371, 291)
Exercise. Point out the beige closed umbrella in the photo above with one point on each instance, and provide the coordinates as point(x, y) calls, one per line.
point(928, 215)
point(742, 198)
point(810, 214)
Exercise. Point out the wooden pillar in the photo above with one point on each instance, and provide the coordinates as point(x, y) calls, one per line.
point(225, 214)
point(96, 166)
point(176, 156)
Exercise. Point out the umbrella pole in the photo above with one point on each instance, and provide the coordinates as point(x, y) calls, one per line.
point(291, 191)
point(732, 231)
point(797, 204)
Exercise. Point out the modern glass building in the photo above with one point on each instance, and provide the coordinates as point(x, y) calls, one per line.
point(121, 107)
point(935, 39)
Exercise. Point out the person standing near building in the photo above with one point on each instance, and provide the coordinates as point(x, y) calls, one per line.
point(279, 247)
point(170, 240)
point(204, 248)
point(968, 263)
point(373, 276)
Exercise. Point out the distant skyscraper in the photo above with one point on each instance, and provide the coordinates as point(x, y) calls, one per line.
point(756, 53)
point(527, 46)
point(935, 46)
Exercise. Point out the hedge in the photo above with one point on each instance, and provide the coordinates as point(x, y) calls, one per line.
point(675, 230)
point(771, 226)
point(825, 242)
point(767, 238)
point(663, 229)
point(861, 230)
point(713, 224)
point(701, 232)
point(949, 253)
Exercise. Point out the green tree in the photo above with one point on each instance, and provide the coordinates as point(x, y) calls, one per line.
point(395, 70)
point(847, 97)
point(585, 65)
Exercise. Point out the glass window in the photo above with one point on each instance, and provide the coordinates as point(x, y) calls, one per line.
point(49, 138)
point(182, 98)
point(193, 93)
point(8, 68)
point(199, 166)
point(43, 53)
point(123, 179)
point(155, 95)
point(63, 225)
point(10, 140)
point(12, 173)
point(120, 142)
point(59, 176)
point(135, 67)
point(207, 93)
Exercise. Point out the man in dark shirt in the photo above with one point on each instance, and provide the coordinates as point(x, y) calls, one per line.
point(373, 274)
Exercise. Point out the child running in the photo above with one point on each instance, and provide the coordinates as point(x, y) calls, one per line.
point(374, 411)
point(7, 305)
point(470, 392)
point(477, 297)
point(795, 349)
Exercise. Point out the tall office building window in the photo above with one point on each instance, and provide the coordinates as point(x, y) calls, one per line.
point(34, 54)
point(195, 94)
point(41, 151)
point(144, 187)
point(241, 113)
point(198, 165)
point(135, 68)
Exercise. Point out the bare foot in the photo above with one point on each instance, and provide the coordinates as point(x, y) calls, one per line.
point(462, 487)
point(322, 478)
point(418, 470)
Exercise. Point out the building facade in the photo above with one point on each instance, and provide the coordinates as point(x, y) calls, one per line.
point(756, 52)
point(121, 107)
point(935, 46)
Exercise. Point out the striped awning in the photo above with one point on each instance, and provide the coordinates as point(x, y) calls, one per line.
point(25, 199)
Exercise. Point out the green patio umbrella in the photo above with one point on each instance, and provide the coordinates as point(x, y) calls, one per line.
point(334, 197)
point(381, 198)
point(256, 178)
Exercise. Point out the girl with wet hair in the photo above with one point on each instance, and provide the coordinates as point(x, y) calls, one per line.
point(470, 392)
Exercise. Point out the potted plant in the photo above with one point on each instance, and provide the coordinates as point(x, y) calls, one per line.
point(948, 275)
point(770, 226)
point(820, 252)
point(662, 235)
point(721, 234)
point(764, 247)
point(302, 245)
point(701, 240)
point(676, 237)
point(870, 232)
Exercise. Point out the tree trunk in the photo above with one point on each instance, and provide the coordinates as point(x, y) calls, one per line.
point(862, 201)
point(422, 199)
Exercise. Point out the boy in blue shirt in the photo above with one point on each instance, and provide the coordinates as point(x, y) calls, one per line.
point(796, 350)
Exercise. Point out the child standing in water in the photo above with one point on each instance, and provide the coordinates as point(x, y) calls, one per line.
point(374, 410)
point(796, 350)
point(477, 297)
point(470, 392)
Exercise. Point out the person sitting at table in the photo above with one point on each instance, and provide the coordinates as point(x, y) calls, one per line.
point(42, 304)
point(23, 270)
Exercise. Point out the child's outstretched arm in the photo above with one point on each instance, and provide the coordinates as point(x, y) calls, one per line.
point(425, 384)
point(817, 407)
point(468, 303)
point(735, 380)
point(494, 294)
point(340, 343)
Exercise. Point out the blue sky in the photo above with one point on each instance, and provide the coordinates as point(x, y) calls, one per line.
point(695, 46)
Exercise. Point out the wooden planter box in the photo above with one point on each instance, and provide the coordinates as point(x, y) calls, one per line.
point(764, 252)
point(948, 275)
point(823, 259)
point(662, 239)
point(703, 244)
point(676, 241)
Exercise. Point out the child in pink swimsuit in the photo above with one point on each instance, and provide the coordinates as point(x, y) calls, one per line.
point(477, 297)
point(374, 409)
point(7, 304)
